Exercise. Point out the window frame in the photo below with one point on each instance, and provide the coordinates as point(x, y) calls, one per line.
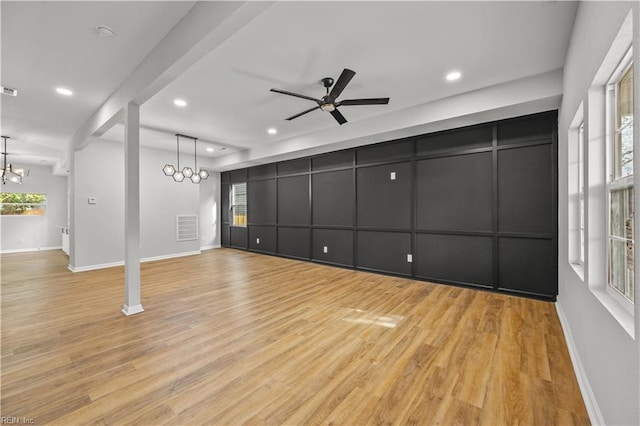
point(614, 182)
point(581, 197)
point(42, 204)
point(234, 205)
point(577, 199)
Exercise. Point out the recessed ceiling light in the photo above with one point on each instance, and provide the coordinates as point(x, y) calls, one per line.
point(272, 130)
point(104, 31)
point(180, 102)
point(454, 75)
point(64, 91)
point(209, 149)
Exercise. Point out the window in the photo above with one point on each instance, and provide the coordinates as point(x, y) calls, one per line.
point(581, 194)
point(620, 187)
point(16, 204)
point(576, 192)
point(239, 204)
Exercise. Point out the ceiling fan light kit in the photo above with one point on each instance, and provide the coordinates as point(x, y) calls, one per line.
point(195, 175)
point(328, 102)
point(8, 173)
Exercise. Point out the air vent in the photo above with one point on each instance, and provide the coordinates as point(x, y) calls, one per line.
point(186, 227)
point(9, 91)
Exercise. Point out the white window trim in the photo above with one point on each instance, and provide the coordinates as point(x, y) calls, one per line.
point(233, 205)
point(612, 183)
point(574, 194)
point(582, 200)
point(596, 121)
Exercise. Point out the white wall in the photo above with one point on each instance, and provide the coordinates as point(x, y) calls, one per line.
point(210, 212)
point(161, 200)
point(606, 356)
point(98, 229)
point(26, 233)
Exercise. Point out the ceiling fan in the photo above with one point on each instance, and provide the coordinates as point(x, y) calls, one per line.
point(328, 102)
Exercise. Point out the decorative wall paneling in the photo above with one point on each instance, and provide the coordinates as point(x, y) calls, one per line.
point(475, 206)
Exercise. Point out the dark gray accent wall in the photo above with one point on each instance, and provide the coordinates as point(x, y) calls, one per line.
point(332, 201)
point(465, 182)
point(293, 242)
point(475, 206)
point(384, 196)
point(262, 238)
point(333, 246)
point(455, 258)
point(384, 251)
point(293, 202)
point(261, 202)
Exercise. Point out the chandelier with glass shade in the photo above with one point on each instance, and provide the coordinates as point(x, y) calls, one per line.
point(179, 175)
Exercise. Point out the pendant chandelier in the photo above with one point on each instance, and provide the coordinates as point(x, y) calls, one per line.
point(179, 175)
point(8, 173)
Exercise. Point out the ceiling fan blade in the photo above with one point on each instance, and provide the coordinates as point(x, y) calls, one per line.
point(339, 117)
point(302, 113)
point(341, 83)
point(372, 101)
point(297, 95)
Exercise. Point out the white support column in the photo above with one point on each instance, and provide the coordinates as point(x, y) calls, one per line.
point(132, 304)
point(71, 212)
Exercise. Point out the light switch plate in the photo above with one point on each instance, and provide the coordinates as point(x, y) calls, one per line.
point(392, 175)
point(92, 200)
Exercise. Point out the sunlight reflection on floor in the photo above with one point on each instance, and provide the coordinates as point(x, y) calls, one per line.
point(359, 316)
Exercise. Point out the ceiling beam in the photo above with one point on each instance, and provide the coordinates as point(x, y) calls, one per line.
point(206, 26)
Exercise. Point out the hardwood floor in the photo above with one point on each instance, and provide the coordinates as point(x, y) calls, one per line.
point(231, 337)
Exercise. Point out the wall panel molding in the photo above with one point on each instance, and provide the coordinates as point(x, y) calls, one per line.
point(474, 206)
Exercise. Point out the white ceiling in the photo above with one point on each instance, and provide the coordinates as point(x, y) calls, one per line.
point(400, 50)
point(54, 44)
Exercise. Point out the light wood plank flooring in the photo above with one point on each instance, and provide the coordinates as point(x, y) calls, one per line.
point(230, 337)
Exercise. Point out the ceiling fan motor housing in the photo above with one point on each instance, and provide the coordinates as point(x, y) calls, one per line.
point(327, 82)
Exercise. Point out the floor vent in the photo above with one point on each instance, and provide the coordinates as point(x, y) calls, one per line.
point(186, 227)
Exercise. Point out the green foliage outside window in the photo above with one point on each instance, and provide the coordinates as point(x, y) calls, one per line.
point(17, 204)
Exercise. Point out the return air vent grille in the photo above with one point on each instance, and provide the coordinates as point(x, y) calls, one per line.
point(186, 227)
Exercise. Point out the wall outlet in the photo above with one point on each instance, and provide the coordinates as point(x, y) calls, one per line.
point(257, 240)
point(392, 175)
point(325, 249)
point(409, 258)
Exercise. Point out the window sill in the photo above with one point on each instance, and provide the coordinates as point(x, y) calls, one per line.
point(616, 310)
point(578, 268)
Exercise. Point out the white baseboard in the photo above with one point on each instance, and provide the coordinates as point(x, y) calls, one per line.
point(169, 256)
point(94, 267)
point(30, 249)
point(595, 415)
point(203, 248)
point(121, 263)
